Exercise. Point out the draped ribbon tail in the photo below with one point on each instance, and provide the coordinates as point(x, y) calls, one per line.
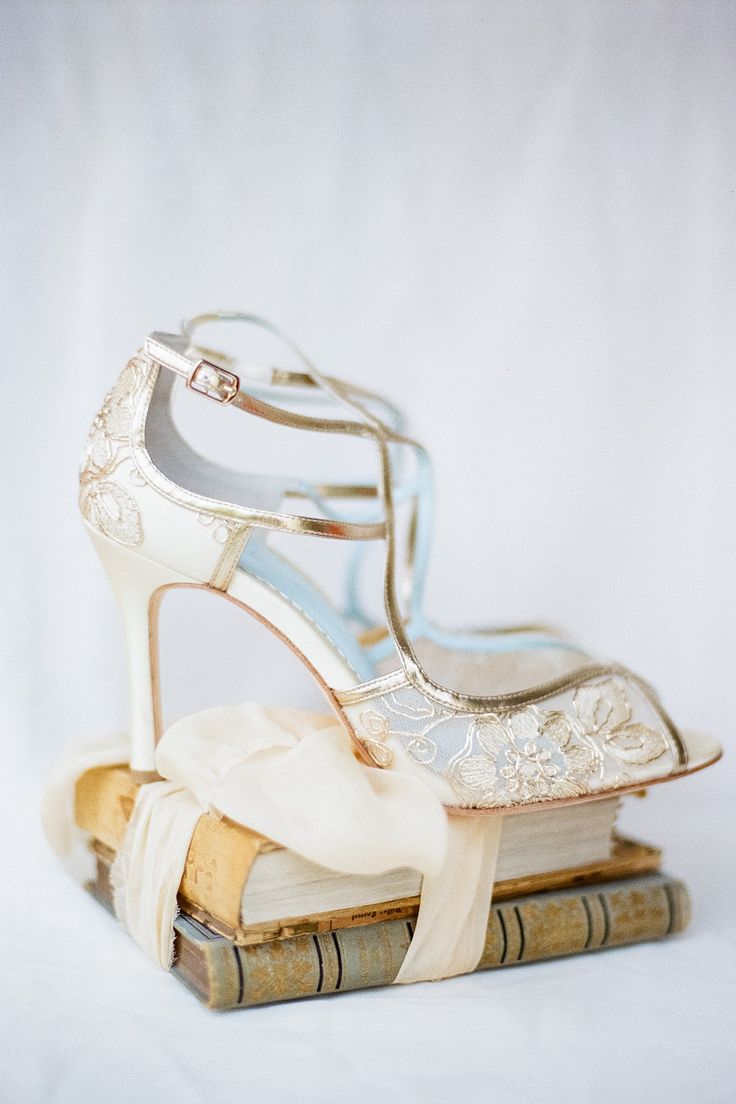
point(455, 904)
point(148, 868)
point(293, 778)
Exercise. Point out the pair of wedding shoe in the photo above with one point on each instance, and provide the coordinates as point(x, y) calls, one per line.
point(505, 718)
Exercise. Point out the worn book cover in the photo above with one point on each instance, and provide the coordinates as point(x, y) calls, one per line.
point(523, 929)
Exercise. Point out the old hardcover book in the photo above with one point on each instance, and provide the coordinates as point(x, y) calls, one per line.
point(523, 929)
point(253, 891)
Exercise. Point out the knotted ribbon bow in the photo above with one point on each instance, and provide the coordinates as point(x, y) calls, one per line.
point(293, 777)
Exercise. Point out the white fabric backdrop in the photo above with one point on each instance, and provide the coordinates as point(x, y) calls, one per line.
point(516, 218)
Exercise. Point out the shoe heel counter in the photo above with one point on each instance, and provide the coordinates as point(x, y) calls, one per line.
point(108, 475)
point(124, 496)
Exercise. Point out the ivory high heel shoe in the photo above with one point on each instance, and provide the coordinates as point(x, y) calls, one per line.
point(503, 719)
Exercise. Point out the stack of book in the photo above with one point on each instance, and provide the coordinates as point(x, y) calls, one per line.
point(259, 923)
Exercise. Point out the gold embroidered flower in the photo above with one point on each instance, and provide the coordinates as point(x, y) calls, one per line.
point(104, 501)
point(111, 509)
point(376, 731)
point(531, 754)
point(604, 711)
point(521, 757)
point(529, 772)
point(478, 774)
point(542, 761)
point(374, 737)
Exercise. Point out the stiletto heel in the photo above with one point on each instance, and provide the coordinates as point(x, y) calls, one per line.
point(139, 585)
point(505, 718)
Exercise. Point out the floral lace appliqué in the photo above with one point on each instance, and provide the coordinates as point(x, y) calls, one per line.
point(530, 755)
point(527, 755)
point(375, 732)
point(604, 711)
point(105, 502)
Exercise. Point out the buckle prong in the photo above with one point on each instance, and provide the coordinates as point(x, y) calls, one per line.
point(213, 382)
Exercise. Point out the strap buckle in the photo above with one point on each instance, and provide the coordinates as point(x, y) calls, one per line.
point(213, 382)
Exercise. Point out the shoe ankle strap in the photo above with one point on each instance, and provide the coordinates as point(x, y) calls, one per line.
point(207, 377)
point(202, 376)
point(209, 372)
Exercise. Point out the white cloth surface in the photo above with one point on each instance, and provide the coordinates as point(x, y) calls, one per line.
point(86, 1016)
point(532, 202)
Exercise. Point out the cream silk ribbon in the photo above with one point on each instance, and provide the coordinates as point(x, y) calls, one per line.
point(293, 777)
point(451, 927)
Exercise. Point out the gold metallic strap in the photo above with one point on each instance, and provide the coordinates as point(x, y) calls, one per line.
point(274, 376)
point(336, 490)
point(223, 386)
point(172, 351)
point(228, 561)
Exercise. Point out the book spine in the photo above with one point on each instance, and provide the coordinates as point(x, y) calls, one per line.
point(528, 929)
point(220, 856)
